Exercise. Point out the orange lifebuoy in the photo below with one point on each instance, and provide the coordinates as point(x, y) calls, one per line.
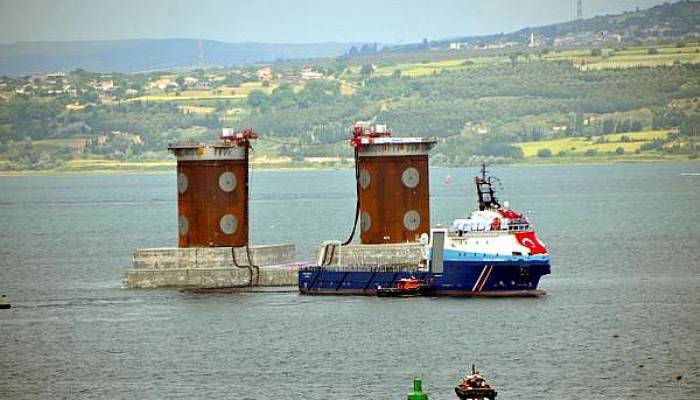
point(496, 224)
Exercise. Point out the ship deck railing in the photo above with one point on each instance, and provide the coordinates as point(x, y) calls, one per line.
point(369, 268)
point(486, 231)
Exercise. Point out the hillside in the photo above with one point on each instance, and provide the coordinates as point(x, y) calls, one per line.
point(129, 56)
point(605, 101)
point(668, 21)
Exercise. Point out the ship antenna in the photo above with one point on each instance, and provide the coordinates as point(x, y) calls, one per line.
point(485, 191)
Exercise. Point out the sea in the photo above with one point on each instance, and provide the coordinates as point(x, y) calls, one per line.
point(621, 318)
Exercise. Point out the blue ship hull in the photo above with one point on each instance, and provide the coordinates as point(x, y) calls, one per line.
point(459, 278)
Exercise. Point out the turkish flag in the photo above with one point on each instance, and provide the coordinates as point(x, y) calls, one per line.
point(529, 240)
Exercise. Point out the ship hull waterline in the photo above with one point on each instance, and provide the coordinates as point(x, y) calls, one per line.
point(457, 280)
point(433, 293)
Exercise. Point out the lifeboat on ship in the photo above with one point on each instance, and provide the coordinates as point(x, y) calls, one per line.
point(406, 287)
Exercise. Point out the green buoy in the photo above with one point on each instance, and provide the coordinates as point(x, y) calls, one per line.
point(417, 393)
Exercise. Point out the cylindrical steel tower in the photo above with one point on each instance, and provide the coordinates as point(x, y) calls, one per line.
point(212, 186)
point(393, 186)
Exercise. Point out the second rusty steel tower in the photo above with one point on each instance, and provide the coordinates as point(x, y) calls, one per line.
point(212, 186)
point(393, 186)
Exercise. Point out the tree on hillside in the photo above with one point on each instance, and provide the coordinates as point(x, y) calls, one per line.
point(283, 96)
point(235, 79)
point(513, 58)
point(578, 124)
point(257, 99)
point(544, 153)
point(608, 126)
point(366, 70)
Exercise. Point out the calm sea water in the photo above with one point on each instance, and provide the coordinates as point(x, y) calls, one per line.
point(621, 318)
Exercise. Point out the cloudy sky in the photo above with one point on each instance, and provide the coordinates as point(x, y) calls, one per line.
point(281, 21)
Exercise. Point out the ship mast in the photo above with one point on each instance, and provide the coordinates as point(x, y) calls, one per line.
point(485, 191)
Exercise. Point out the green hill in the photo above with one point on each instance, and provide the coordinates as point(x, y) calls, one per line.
point(505, 104)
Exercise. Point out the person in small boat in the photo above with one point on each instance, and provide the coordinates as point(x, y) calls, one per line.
point(474, 381)
point(480, 381)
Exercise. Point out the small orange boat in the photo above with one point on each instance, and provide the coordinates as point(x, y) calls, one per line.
point(406, 287)
point(475, 387)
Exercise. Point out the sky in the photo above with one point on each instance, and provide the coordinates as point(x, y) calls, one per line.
point(280, 21)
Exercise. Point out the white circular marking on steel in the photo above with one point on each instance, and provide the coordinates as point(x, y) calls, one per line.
point(411, 220)
point(227, 181)
point(182, 182)
point(410, 177)
point(183, 225)
point(364, 179)
point(365, 221)
point(228, 224)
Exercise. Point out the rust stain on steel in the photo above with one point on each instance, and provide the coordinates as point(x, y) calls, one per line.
point(213, 203)
point(396, 202)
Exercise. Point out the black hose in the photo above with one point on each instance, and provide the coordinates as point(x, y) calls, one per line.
point(248, 180)
point(357, 196)
point(252, 266)
point(250, 269)
point(357, 182)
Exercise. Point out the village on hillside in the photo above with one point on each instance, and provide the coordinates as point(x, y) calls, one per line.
point(536, 94)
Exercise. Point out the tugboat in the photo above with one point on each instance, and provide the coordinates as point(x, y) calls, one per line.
point(475, 387)
point(493, 252)
point(406, 287)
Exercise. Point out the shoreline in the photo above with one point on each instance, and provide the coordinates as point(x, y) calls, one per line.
point(140, 168)
point(152, 171)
